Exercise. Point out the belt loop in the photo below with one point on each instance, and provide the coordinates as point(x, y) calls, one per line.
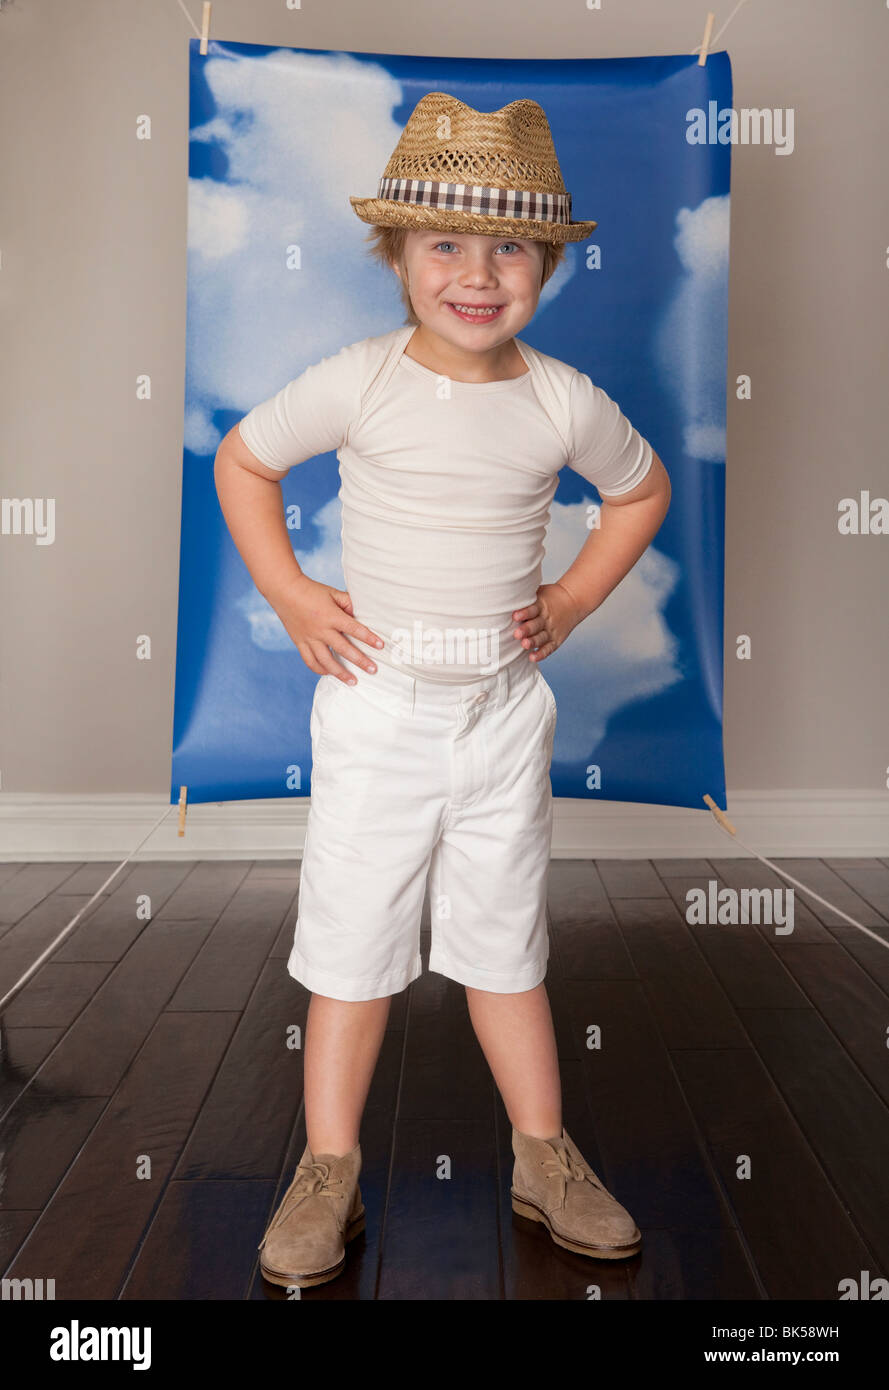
point(515, 673)
point(410, 695)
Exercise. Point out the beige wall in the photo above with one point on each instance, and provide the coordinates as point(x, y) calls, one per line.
point(92, 239)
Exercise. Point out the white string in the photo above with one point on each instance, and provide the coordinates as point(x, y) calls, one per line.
point(719, 32)
point(189, 18)
point(66, 931)
point(796, 882)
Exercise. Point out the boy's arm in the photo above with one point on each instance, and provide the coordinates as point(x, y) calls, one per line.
point(628, 524)
point(254, 514)
point(315, 616)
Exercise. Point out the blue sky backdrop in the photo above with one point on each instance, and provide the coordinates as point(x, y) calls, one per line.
point(279, 139)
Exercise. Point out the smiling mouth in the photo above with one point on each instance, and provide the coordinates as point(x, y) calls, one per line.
point(475, 313)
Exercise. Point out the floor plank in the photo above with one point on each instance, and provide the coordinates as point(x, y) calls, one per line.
point(575, 891)
point(844, 1120)
point(750, 971)
point(21, 1052)
point(26, 940)
point(652, 1160)
point(56, 994)
point(630, 878)
point(739, 874)
point(817, 875)
point(868, 880)
point(806, 927)
point(39, 1140)
point(853, 1006)
point(14, 1227)
point(90, 1230)
point(248, 1115)
point(206, 890)
point(441, 1233)
point(446, 1077)
point(225, 969)
point(104, 1039)
point(24, 891)
point(796, 1228)
point(592, 948)
point(690, 1006)
point(201, 1241)
point(113, 923)
point(705, 1266)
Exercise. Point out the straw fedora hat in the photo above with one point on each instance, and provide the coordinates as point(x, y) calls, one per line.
point(456, 169)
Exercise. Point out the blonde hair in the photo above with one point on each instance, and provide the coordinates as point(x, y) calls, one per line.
point(387, 246)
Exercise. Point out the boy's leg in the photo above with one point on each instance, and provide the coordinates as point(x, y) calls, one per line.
point(322, 1209)
point(343, 1040)
point(515, 1032)
point(551, 1182)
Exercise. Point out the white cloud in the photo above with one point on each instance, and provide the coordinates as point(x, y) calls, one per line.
point(623, 652)
point(201, 435)
point(217, 220)
point(703, 235)
point(690, 343)
point(294, 154)
point(704, 441)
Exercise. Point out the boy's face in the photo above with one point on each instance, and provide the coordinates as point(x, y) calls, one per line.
point(445, 269)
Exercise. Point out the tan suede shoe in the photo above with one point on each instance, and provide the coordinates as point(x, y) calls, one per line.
point(305, 1243)
point(553, 1183)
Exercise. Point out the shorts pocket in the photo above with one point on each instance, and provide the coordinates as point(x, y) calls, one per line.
point(327, 693)
point(548, 695)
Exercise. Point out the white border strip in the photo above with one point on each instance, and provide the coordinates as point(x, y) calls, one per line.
point(783, 824)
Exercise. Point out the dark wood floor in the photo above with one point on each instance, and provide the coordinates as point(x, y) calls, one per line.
point(166, 1043)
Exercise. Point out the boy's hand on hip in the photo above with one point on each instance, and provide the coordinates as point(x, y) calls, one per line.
point(319, 618)
point(544, 625)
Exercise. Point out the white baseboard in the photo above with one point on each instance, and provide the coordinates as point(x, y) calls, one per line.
point(781, 824)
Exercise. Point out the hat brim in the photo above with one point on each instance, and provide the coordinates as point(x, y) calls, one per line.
point(389, 212)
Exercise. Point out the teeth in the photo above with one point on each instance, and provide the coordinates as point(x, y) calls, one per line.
point(468, 309)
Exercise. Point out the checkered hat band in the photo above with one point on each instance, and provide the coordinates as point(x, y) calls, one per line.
point(489, 202)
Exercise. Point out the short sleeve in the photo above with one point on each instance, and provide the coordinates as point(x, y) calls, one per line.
point(604, 447)
point(308, 416)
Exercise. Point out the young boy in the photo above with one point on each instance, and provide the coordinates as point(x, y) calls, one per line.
point(432, 725)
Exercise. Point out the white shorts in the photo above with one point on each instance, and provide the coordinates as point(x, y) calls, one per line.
point(411, 778)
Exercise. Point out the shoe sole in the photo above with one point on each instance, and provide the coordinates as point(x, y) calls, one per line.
point(601, 1252)
point(316, 1276)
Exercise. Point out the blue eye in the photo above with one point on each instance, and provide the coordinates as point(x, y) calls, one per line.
point(439, 244)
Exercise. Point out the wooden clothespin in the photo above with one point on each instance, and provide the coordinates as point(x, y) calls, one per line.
point(720, 815)
point(705, 42)
point(205, 38)
point(183, 797)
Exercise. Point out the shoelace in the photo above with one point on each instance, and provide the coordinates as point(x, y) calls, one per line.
point(311, 1179)
point(564, 1166)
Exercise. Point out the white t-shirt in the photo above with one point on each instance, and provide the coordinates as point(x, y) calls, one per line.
point(445, 489)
